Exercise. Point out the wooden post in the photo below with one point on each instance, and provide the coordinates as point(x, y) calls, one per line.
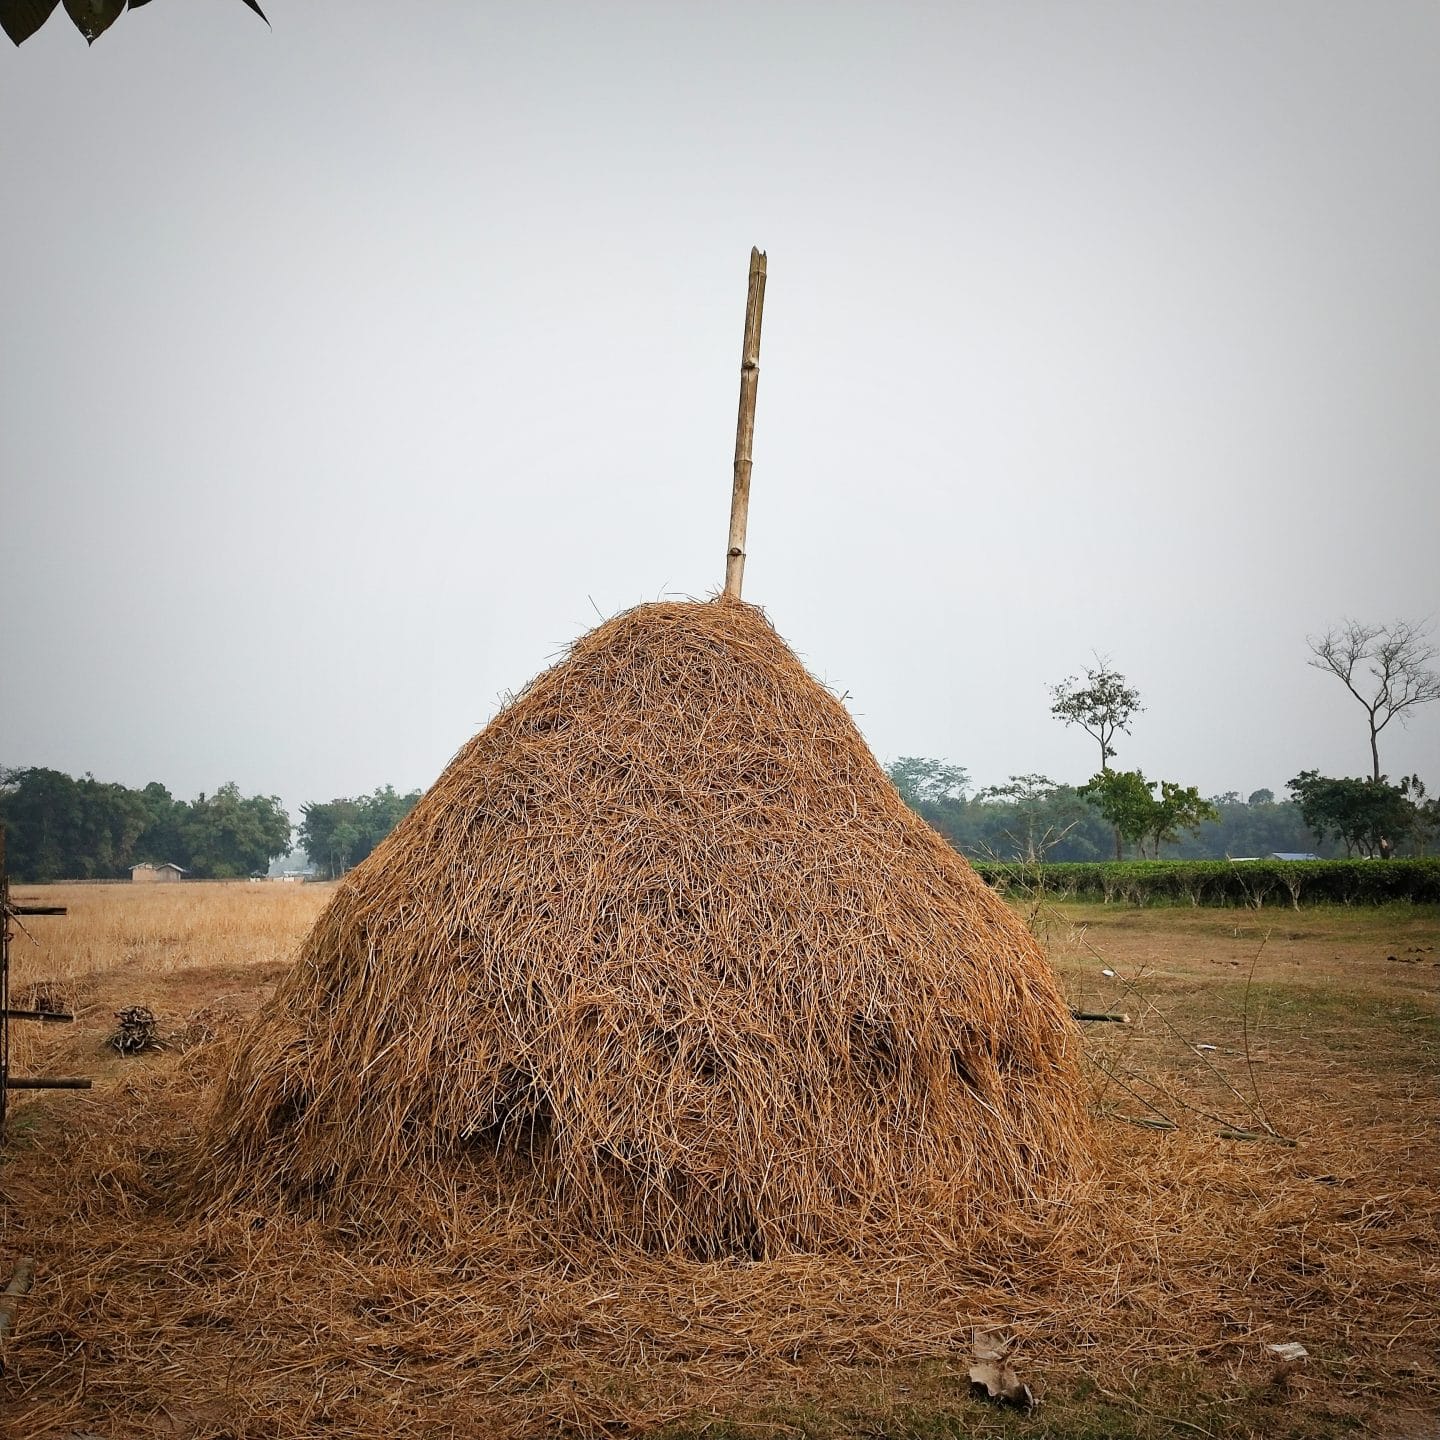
point(745, 427)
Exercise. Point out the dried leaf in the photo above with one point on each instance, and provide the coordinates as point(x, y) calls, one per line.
point(998, 1381)
point(1001, 1384)
point(988, 1345)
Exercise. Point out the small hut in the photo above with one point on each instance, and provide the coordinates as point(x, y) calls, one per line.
point(147, 874)
point(664, 943)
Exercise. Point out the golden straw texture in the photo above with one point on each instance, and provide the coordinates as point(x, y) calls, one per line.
point(664, 949)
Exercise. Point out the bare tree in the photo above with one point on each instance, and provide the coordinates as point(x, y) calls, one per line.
point(1385, 667)
point(1100, 706)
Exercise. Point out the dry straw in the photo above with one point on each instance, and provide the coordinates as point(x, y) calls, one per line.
point(664, 950)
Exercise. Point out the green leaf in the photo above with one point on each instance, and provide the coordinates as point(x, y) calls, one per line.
point(20, 19)
point(136, 4)
point(94, 17)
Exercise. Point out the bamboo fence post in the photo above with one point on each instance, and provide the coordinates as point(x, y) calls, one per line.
point(745, 426)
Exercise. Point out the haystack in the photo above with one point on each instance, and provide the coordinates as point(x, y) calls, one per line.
point(664, 946)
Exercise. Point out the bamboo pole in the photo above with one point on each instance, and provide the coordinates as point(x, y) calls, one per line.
point(745, 426)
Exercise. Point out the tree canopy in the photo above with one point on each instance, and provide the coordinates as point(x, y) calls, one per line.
point(1101, 705)
point(1128, 801)
point(1369, 817)
point(59, 828)
point(340, 833)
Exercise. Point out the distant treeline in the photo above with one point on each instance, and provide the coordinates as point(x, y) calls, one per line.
point(1032, 817)
point(1250, 883)
point(60, 828)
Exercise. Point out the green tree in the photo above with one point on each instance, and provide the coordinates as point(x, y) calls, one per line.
point(1426, 823)
point(1370, 816)
point(935, 790)
point(1176, 811)
point(228, 835)
point(1246, 828)
point(41, 812)
point(59, 828)
point(1102, 705)
point(340, 833)
point(111, 821)
point(921, 781)
point(382, 811)
point(1124, 798)
point(329, 833)
point(1127, 800)
point(163, 841)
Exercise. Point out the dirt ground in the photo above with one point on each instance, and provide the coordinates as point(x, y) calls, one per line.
point(1267, 1171)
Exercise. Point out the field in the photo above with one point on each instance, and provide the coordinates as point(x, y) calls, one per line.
point(1281, 1186)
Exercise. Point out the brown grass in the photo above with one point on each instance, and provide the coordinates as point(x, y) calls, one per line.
point(663, 958)
point(1141, 1299)
point(1143, 1312)
point(160, 928)
point(121, 945)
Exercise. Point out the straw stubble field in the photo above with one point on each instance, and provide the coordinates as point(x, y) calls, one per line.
point(1141, 1306)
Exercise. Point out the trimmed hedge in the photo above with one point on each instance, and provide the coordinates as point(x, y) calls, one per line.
point(1226, 882)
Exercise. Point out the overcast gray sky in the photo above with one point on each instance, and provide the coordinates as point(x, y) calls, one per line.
point(349, 367)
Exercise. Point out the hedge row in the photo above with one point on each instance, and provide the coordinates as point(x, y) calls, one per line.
point(1226, 882)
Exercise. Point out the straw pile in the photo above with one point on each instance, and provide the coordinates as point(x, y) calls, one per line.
point(663, 952)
